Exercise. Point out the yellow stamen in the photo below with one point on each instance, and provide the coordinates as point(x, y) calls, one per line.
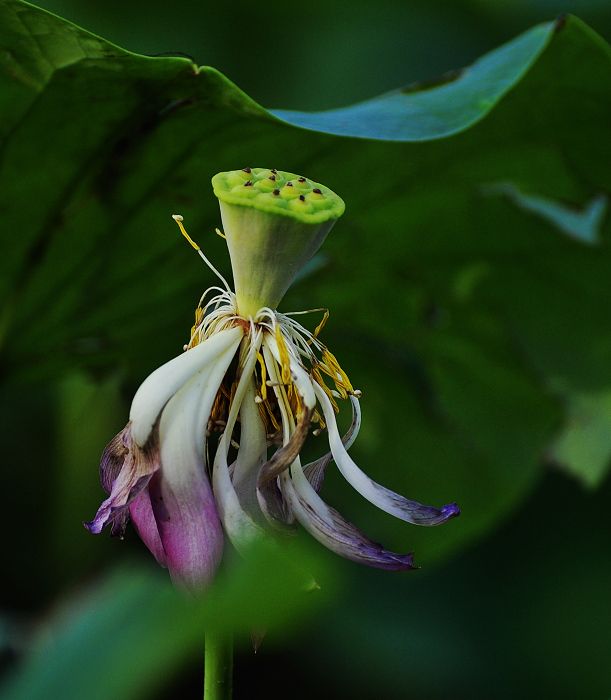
point(224, 391)
point(317, 418)
point(199, 315)
point(317, 377)
point(331, 367)
point(220, 233)
point(219, 408)
point(178, 219)
point(321, 325)
point(294, 401)
point(333, 375)
point(271, 415)
point(263, 414)
point(284, 356)
point(263, 376)
point(265, 409)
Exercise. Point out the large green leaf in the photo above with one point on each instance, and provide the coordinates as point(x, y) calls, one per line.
point(458, 310)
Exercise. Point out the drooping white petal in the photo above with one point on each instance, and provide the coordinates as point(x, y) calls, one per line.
point(321, 521)
point(252, 454)
point(239, 526)
point(164, 382)
point(182, 499)
point(383, 498)
point(355, 426)
point(334, 531)
point(315, 471)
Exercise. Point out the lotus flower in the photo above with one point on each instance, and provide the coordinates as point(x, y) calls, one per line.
point(263, 382)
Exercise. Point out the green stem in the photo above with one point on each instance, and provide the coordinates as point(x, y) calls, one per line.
point(218, 674)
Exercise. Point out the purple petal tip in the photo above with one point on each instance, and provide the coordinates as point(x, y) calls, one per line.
point(94, 527)
point(450, 511)
point(405, 562)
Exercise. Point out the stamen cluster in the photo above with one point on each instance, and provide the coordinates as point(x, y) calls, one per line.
point(293, 340)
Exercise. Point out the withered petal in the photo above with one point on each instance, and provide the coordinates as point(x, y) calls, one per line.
point(124, 484)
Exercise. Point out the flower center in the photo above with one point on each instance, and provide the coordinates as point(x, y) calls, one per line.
point(292, 340)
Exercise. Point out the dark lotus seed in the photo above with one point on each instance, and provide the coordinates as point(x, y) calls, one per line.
point(289, 184)
point(248, 183)
point(272, 177)
point(273, 170)
point(247, 170)
point(317, 190)
point(302, 179)
point(276, 192)
point(302, 198)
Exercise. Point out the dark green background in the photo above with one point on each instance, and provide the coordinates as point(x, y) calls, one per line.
point(473, 350)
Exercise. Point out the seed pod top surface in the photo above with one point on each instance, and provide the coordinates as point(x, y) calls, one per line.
point(279, 192)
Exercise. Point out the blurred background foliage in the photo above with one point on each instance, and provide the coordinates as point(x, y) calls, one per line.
point(478, 331)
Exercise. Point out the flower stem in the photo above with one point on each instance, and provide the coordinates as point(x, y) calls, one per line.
point(218, 673)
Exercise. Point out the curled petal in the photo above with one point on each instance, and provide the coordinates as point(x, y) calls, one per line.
point(285, 456)
point(138, 465)
point(383, 498)
point(165, 381)
point(315, 471)
point(276, 509)
point(182, 500)
point(113, 457)
point(355, 425)
point(334, 531)
point(322, 522)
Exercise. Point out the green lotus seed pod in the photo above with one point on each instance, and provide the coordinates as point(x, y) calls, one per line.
point(272, 199)
point(273, 229)
point(300, 206)
point(239, 177)
point(289, 192)
point(264, 174)
point(317, 199)
point(245, 191)
point(265, 184)
point(303, 184)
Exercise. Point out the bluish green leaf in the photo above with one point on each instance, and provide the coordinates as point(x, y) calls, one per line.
point(422, 112)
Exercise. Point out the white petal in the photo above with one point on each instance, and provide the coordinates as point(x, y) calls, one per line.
point(315, 471)
point(383, 498)
point(355, 426)
point(165, 381)
point(188, 412)
point(182, 498)
point(321, 521)
point(252, 454)
point(332, 530)
point(239, 526)
point(295, 480)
